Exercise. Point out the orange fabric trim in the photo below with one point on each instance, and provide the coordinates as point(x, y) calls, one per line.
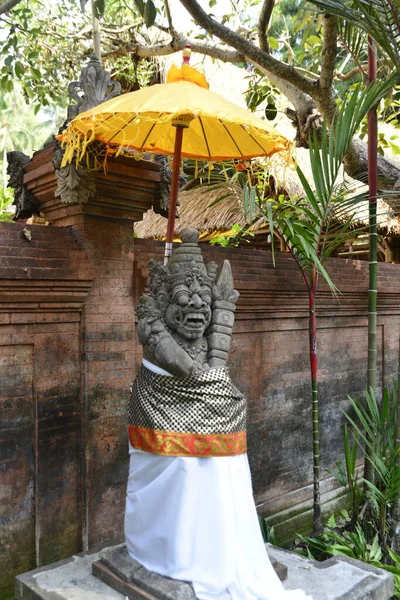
point(172, 443)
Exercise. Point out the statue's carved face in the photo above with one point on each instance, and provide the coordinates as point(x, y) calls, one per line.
point(189, 309)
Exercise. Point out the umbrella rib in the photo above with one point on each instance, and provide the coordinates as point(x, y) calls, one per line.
point(104, 120)
point(205, 137)
point(254, 139)
point(119, 131)
point(231, 136)
point(147, 136)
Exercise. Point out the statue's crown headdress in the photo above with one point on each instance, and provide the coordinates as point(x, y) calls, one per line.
point(187, 260)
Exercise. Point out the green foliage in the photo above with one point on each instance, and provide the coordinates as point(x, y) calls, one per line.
point(267, 531)
point(346, 474)
point(376, 18)
point(335, 540)
point(314, 226)
point(19, 128)
point(237, 235)
point(375, 432)
point(6, 199)
point(147, 10)
point(261, 90)
point(366, 531)
point(373, 429)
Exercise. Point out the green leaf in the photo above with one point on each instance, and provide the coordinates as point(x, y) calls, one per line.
point(331, 522)
point(150, 13)
point(140, 6)
point(83, 4)
point(99, 7)
point(19, 69)
point(313, 40)
point(394, 148)
point(36, 73)
point(273, 43)
point(271, 111)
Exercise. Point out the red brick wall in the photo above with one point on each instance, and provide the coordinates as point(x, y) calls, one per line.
point(109, 366)
point(43, 285)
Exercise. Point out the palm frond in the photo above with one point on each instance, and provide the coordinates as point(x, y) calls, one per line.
point(379, 19)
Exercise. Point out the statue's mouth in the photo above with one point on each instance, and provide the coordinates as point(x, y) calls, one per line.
point(194, 321)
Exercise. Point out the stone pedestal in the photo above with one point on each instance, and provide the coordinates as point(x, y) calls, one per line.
point(129, 577)
point(339, 578)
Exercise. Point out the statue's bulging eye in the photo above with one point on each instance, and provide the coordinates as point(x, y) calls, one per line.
point(182, 298)
point(206, 296)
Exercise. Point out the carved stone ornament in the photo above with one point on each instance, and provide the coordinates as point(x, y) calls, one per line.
point(96, 87)
point(185, 324)
point(75, 185)
point(25, 205)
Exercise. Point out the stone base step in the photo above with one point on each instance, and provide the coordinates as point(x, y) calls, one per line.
point(339, 578)
point(129, 577)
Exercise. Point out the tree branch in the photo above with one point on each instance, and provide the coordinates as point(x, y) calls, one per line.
point(355, 71)
point(263, 24)
point(329, 53)
point(247, 48)
point(4, 8)
point(169, 18)
point(175, 45)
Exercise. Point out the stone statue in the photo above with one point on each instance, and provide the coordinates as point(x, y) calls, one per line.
point(25, 205)
point(185, 324)
point(190, 513)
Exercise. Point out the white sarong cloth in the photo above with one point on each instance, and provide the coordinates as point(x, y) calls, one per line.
point(194, 519)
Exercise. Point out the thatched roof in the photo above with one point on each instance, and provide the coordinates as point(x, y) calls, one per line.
point(198, 209)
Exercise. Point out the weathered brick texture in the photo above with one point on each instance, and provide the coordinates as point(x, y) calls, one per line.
point(41, 303)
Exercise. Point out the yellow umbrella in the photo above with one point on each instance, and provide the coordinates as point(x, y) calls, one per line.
point(153, 120)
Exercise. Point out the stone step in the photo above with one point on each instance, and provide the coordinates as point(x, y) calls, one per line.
point(339, 578)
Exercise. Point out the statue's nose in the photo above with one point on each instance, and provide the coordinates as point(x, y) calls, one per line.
point(196, 301)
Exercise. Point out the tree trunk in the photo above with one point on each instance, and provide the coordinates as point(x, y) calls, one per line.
point(96, 35)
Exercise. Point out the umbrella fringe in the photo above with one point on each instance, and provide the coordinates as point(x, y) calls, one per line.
point(84, 137)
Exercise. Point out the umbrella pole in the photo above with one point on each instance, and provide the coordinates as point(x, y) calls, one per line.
point(174, 192)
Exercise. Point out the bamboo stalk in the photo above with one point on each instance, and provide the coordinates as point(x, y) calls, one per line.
point(373, 239)
point(317, 526)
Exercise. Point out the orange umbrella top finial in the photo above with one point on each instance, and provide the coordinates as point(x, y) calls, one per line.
point(186, 53)
point(186, 72)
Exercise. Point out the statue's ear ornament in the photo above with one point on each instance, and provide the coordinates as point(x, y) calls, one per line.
point(157, 277)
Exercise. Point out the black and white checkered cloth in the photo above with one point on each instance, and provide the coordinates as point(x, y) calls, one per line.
point(207, 403)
